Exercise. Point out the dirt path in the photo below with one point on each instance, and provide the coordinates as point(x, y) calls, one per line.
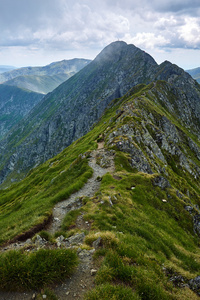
point(82, 280)
point(88, 190)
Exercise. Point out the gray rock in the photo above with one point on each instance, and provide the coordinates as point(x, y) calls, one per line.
point(77, 239)
point(162, 182)
point(194, 284)
point(60, 239)
point(189, 209)
point(98, 243)
point(196, 221)
point(40, 241)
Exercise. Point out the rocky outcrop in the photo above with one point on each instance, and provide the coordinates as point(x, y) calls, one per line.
point(152, 140)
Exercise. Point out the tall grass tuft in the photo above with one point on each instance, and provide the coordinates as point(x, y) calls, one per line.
point(111, 292)
point(26, 271)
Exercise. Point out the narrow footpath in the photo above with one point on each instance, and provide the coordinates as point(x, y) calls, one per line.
point(83, 278)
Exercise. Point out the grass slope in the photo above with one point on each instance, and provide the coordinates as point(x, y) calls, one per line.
point(40, 84)
point(195, 73)
point(145, 241)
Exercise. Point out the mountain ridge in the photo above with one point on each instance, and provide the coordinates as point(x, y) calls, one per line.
point(124, 198)
point(75, 106)
point(43, 79)
point(143, 222)
point(195, 73)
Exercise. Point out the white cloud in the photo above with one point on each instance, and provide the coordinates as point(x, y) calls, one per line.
point(61, 26)
point(190, 33)
point(148, 40)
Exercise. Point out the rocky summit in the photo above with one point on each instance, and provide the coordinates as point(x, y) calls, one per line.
point(110, 199)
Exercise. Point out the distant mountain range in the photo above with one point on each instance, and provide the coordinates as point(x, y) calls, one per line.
point(6, 68)
point(195, 73)
point(43, 79)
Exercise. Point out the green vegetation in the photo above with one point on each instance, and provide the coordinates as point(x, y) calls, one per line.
point(29, 271)
point(147, 236)
point(111, 292)
point(13, 111)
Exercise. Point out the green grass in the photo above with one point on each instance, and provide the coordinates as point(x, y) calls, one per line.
point(69, 220)
point(29, 271)
point(141, 236)
point(151, 234)
point(149, 237)
point(112, 292)
point(29, 202)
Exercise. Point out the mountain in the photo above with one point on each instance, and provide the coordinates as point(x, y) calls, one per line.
point(15, 103)
point(195, 73)
point(4, 68)
point(71, 109)
point(43, 79)
point(126, 194)
point(40, 84)
point(75, 106)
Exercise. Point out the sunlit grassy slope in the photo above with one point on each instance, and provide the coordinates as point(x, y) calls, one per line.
point(147, 235)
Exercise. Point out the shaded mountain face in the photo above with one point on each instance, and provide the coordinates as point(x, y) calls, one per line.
point(195, 73)
point(43, 79)
point(15, 103)
point(74, 107)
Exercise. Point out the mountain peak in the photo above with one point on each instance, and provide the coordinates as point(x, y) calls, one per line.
point(112, 51)
point(119, 50)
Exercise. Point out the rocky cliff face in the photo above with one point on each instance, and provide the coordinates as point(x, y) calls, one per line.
point(153, 138)
point(73, 108)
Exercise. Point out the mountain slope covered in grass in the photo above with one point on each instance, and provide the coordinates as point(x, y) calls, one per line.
point(195, 73)
point(43, 79)
point(15, 103)
point(39, 84)
point(145, 215)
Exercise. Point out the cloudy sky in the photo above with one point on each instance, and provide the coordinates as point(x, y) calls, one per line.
point(38, 32)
